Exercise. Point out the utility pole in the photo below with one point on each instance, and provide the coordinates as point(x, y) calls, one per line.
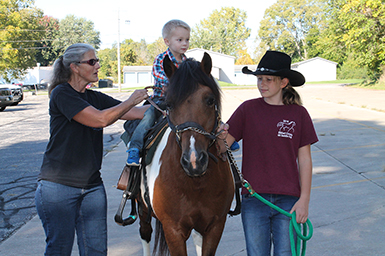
point(119, 84)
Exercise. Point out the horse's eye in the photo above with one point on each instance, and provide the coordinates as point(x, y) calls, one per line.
point(210, 101)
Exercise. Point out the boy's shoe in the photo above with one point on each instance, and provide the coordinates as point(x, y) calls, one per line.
point(234, 147)
point(133, 157)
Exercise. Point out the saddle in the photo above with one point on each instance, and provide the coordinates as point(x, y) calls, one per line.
point(130, 178)
point(151, 141)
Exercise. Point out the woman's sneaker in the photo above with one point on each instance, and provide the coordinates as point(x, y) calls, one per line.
point(133, 157)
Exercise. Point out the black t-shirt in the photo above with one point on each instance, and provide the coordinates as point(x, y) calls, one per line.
point(74, 152)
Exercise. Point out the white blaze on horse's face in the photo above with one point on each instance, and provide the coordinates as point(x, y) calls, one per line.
point(193, 160)
point(193, 153)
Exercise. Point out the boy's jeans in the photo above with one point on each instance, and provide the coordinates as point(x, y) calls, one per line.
point(263, 225)
point(64, 209)
point(137, 139)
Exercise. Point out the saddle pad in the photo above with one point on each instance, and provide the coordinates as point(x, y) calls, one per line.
point(153, 138)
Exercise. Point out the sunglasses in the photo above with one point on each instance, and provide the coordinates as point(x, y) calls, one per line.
point(90, 62)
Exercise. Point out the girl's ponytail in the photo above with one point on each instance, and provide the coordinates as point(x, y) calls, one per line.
point(290, 96)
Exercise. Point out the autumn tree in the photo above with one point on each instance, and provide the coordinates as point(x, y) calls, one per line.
point(223, 31)
point(46, 54)
point(20, 31)
point(244, 58)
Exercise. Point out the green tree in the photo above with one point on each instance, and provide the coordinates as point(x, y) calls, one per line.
point(351, 70)
point(75, 30)
point(142, 54)
point(328, 44)
point(109, 59)
point(223, 31)
point(359, 28)
point(20, 31)
point(155, 48)
point(108, 63)
point(128, 54)
point(291, 26)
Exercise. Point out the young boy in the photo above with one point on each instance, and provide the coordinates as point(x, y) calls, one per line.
point(176, 35)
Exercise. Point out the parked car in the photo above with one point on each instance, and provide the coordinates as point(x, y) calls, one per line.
point(42, 86)
point(10, 95)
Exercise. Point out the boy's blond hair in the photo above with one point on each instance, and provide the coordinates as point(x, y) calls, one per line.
point(173, 24)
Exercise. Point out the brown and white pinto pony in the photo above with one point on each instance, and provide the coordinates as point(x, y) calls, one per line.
point(190, 188)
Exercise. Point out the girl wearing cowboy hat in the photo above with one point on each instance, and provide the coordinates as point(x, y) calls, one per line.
point(277, 133)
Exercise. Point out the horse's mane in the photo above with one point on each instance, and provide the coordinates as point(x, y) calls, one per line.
point(185, 81)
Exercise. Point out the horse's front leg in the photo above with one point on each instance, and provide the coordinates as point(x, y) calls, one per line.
point(212, 237)
point(176, 239)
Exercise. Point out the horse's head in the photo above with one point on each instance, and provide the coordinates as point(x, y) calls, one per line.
point(193, 97)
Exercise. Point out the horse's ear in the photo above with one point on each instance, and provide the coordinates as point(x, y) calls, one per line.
point(206, 63)
point(168, 66)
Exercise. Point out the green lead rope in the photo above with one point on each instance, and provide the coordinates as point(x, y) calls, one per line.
point(298, 227)
point(304, 236)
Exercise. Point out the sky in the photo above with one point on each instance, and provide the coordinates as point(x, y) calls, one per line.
point(144, 19)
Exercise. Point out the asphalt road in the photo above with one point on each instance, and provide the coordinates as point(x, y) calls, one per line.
point(347, 208)
point(24, 133)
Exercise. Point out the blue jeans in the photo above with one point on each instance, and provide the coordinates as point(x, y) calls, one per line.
point(64, 209)
point(137, 139)
point(264, 226)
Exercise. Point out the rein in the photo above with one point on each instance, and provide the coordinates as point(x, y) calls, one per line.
point(305, 236)
point(156, 106)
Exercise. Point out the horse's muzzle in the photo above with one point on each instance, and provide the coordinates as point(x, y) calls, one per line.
point(195, 163)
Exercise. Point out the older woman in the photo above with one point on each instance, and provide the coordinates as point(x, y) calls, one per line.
point(70, 195)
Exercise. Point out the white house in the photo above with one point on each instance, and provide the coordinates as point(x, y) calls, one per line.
point(223, 65)
point(243, 79)
point(35, 75)
point(317, 69)
point(223, 69)
point(137, 76)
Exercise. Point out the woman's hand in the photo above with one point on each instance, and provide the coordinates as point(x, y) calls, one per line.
point(138, 96)
point(126, 110)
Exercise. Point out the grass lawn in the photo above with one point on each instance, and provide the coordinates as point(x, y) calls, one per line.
point(372, 86)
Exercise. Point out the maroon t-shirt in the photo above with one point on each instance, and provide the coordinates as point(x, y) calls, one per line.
point(272, 135)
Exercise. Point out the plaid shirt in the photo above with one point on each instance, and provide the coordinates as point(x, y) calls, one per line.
point(160, 78)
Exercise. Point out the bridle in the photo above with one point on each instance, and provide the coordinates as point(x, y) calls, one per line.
point(195, 127)
point(190, 126)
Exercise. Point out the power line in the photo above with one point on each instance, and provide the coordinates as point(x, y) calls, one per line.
point(25, 41)
point(25, 29)
point(26, 48)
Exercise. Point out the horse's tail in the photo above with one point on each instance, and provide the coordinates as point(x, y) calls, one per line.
point(160, 245)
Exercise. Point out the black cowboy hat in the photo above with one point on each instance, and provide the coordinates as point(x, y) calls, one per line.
point(275, 63)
